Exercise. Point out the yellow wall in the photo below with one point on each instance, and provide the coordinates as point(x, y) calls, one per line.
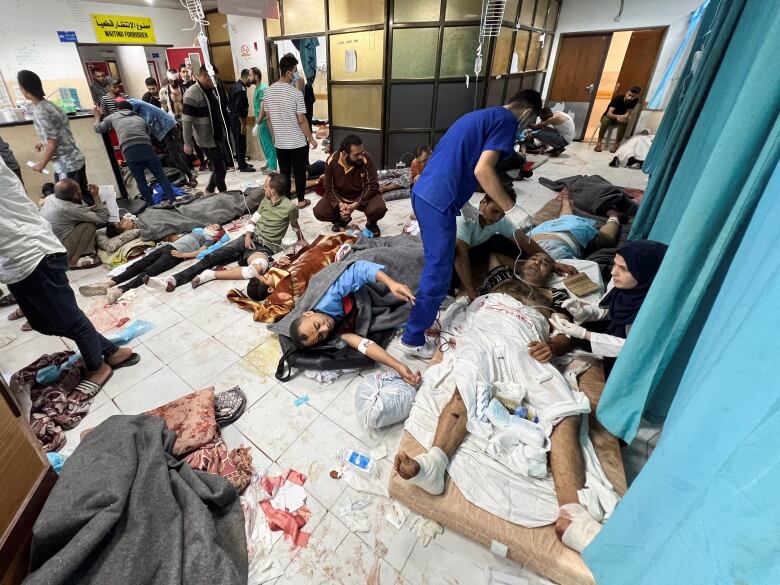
point(609, 77)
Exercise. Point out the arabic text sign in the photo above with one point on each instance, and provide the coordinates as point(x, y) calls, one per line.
point(111, 28)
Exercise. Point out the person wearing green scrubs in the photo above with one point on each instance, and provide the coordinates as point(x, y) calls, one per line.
point(264, 135)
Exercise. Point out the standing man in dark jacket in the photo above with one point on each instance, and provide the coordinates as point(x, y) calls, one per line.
point(134, 137)
point(202, 122)
point(351, 185)
point(239, 110)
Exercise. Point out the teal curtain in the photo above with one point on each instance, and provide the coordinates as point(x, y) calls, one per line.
point(730, 153)
point(705, 509)
point(683, 112)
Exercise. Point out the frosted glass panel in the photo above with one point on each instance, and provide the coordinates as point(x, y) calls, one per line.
point(543, 60)
point(357, 56)
point(552, 15)
point(357, 106)
point(273, 27)
point(414, 52)
point(459, 51)
point(527, 12)
point(503, 52)
point(541, 13)
point(303, 16)
point(520, 52)
point(510, 12)
point(463, 10)
point(416, 10)
point(534, 48)
point(350, 13)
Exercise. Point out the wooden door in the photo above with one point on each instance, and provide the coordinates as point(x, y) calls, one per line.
point(578, 66)
point(26, 479)
point(640, 59)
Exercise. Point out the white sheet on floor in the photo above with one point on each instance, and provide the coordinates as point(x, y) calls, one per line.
point(636, 146)
point(493, 468)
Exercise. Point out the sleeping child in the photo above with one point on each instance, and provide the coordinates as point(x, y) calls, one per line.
point(197, 244)
point(334, 312)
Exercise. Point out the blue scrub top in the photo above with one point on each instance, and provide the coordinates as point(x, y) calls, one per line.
point(448, 181)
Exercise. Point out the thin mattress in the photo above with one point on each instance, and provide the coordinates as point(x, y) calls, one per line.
point(537, 549)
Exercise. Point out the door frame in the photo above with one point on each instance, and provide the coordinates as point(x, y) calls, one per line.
point(603, 59)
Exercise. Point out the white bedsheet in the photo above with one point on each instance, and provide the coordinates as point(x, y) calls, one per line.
point(493, 468)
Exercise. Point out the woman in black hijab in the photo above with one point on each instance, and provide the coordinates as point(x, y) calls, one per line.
point(609, 322)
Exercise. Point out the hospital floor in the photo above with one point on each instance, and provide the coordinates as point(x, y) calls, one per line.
point(200, 339)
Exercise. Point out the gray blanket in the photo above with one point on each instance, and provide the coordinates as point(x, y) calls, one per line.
point(219, 208)
point(377, 309)
point(593, 194)
point(125, 511)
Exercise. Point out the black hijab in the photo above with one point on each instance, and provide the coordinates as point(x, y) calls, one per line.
point(643, 259)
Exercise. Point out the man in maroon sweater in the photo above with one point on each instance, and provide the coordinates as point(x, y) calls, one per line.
point(351, 184)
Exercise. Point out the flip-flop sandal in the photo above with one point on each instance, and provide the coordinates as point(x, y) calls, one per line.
point(131, 361)
point(16, 315)
point(7, 301)
point(90, 264)
point(93, 290)
point(27, 326)
point(90, 389)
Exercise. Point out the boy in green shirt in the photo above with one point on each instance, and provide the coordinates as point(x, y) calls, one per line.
point(253, 252)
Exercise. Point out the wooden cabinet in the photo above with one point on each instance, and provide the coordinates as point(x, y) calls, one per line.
point(26, 478)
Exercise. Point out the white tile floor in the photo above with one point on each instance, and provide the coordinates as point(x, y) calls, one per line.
point(200, 339)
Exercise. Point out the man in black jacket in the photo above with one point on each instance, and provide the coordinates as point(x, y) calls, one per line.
point(239, 110)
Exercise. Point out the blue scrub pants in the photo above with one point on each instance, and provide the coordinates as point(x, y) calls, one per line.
point(437, 230)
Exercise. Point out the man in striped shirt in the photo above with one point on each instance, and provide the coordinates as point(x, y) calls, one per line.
point(285, 111)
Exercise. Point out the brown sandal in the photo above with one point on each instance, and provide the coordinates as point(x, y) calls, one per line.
point(16, 315)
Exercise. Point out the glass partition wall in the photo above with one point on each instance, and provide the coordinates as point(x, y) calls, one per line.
point(397, 69)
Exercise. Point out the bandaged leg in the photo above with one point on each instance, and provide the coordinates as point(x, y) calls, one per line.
point(583, 528)
point(427, 470)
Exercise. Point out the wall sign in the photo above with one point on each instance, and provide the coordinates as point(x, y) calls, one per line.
point(112, 28)
point(259, 8)
point(67, 36)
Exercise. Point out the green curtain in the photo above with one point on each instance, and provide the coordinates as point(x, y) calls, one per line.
point(729, 155)
point(682, 113)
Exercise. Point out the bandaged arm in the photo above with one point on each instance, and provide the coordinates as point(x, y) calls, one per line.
point(375, 352)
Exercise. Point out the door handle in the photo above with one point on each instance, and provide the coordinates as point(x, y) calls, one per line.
point(589, 89)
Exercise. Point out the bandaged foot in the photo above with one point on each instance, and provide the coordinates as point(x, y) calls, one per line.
point(159, 283)
point(204, 277)
point(583, 528)
point(432, 464)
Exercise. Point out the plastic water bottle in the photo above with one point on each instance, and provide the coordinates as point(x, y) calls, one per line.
point(357, 460)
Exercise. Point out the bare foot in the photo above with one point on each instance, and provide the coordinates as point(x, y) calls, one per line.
point(120, 355)
point(100, 376)
point(406, 467)
point(564, 194)
point(561, 524)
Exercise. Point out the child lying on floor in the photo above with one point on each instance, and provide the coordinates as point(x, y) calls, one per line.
point(198, 243)
point(253, 252)
point(332, 315)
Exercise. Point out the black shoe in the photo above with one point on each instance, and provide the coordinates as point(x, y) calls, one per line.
point(374, 229)
point(247, 169)
point(614, 162)
point(556, 151)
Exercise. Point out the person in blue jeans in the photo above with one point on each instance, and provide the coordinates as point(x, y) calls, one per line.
point(466, 155)
point(134, 137)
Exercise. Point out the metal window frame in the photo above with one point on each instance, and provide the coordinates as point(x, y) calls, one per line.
point(389, 26)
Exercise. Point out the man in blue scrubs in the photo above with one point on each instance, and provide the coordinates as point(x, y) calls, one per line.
point(465, 155)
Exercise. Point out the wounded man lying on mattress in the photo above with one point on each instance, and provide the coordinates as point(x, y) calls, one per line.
point(497, 459)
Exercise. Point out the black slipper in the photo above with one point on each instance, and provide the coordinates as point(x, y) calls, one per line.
point(131, 361)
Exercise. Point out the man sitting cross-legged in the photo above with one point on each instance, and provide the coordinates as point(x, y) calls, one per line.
point(253, 252)
point(492, 371)
point(201, 241)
